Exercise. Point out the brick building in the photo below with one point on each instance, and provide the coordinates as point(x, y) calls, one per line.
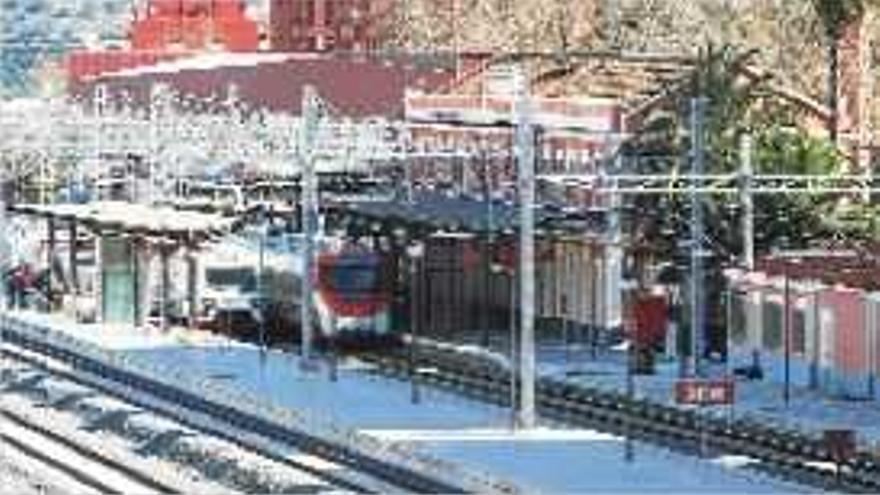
point(164, 30)
point(321, 25)
point(174, 25)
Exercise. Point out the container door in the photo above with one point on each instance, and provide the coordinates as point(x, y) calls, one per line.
point(117, 294)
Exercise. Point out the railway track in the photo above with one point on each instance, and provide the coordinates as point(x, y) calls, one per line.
point(789, 454)
point(88, 468)
point(361, 473)
point(189, 459)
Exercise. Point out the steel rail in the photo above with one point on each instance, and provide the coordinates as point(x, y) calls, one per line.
point(790, 454)
point(337, 481)
point(67, 467)
point(389, 474)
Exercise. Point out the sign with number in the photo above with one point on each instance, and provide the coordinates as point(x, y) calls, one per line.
point(704, 392)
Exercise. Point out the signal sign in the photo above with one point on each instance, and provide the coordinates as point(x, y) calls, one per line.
point(841, 444)
point(704, 392)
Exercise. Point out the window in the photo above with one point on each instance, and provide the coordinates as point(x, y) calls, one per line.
point(738, 319)
point(798, 332)
point(242, 277)
point(771, 337)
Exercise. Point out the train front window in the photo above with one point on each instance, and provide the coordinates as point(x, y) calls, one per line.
point(228, 277)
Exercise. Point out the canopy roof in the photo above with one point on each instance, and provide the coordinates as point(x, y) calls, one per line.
point(135, 219)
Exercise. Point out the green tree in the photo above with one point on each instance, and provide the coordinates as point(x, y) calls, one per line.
point(734, 106)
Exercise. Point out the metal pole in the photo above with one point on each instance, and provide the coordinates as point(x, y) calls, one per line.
point(728, 317)
point(138, 312)
point(702, 420)
point(697, 234)
point(569, 306)
point(415, 295)
point(407, 164)
point(612, 272)
point(155, 98)
point(814, 358)
point(487, 253)
point(164, 254)
point(870, 328)
point(786, 318)
point(525, 150)
point(99, 102)
point(311, 115)
point(192, 283)
point(629, 453)
point(334, 361)
point(595, 265)
point(514, 341)
point(72, 257)
point(747, 200)
point(261, 270)
point(5, 252)
point(50, 261)
point(42, 189)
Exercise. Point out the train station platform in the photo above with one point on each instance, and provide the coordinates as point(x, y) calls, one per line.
point(759, 400)
point(446, 426)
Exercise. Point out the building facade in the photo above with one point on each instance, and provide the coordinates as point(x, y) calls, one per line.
point(323, 25)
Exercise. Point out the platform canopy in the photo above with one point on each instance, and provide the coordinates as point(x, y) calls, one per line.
point(465, 215)
point(135, 219)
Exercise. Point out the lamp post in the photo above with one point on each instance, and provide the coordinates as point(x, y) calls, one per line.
point(787, 259)
point(415, 252)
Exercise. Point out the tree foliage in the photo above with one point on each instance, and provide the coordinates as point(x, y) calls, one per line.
point(733, 107)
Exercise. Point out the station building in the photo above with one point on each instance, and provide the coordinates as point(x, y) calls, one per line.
point(811, 320)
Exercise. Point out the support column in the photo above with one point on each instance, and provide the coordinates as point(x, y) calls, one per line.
point(50, 261)
point(870, 301)
point(697, 287)
point(812, 338)
point(6, 254)
point(192, 285)
point(486, 282)
point(595, 265)
point(141, 257)
point(164, 303)
point(311, 118)
point(525, 152)
point(613, 265)
point(746, 199)
point(72, 260)
point(137, 284)
point(757, 333)
point(488, 246)
point(98, 280)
